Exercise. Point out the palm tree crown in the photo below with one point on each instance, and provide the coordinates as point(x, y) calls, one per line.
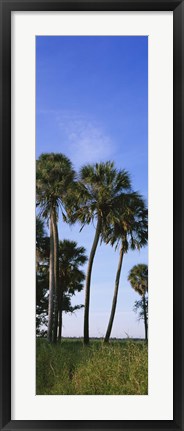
point(129, 226)
point(71, 258)
point(54, 177)
point(71, 277)
point(99, 191)
point(138, 278)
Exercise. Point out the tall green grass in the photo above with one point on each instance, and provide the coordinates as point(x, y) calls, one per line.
point(69, 368)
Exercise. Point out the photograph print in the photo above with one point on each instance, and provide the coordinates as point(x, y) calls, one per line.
point(92, 215)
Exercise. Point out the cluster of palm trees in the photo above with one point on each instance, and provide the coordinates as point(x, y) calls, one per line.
point(99, 194)
point(71, 277)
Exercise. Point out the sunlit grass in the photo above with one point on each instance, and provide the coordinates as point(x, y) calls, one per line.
point(69, 368)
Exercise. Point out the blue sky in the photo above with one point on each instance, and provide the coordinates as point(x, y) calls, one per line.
point(92, 106)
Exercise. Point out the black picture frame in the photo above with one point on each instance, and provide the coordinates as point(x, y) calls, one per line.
point(6, 7)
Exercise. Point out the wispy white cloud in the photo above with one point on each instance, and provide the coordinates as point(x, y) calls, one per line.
point(86, 138)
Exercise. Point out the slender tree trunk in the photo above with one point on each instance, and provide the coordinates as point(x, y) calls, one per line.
point(88, 280)
point(56, 276)
point(114, 302)
point(60, 314)
point(51, 284)
point(145, 318)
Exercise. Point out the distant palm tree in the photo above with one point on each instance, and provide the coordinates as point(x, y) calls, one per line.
point(141, 307)
point(101, 187)
point(130, 230)
point(71, 277)
point(138, 278)
point(54, 176)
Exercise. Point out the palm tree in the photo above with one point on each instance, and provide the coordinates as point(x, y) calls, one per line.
point(42, 258)
point(54, 176)
point(130, 231)
point(138, 278)
point(141, 307)
point(71, 277)
point(100, 189)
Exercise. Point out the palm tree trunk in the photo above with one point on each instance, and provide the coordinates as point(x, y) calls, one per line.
point(51, 284)
point(145, 318)
point(114, 302)
point(88, 280)
point(56, 276)
point(60, 314)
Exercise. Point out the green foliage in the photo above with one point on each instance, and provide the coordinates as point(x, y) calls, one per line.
point(42, 275)
point(71, 277)
point(129, 224)
point(129, 228)
point(69, 368)
point(71, 258)
point(138, 278)
point(42, 281)
point(54, 180)
point(102, 193)
point(100, 187)
point(141, 307)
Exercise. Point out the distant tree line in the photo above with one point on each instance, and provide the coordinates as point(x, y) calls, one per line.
point(99, 194)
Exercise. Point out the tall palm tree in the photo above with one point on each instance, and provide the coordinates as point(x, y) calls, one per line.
point(71, 277)
point(54, 176)
point(138, 278)
point(130, 231)
point(101, 187)
point(42, 258)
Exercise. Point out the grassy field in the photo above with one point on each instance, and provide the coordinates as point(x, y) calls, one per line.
point(69, 368)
